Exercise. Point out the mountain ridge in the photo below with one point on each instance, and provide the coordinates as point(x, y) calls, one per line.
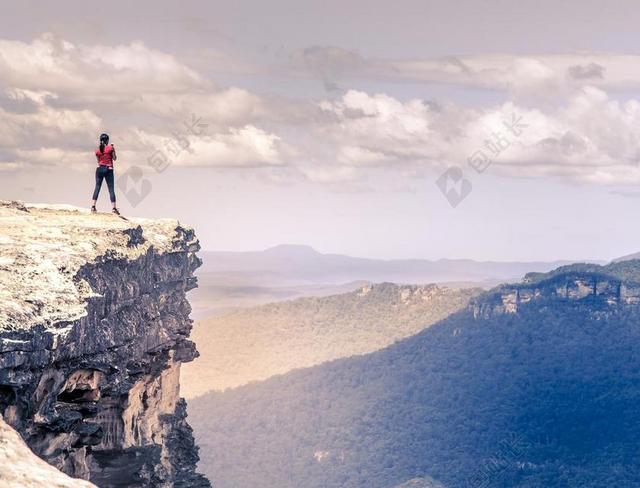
point(304, 265)
point(301, 249)
point(543, 394)
point(255, 343)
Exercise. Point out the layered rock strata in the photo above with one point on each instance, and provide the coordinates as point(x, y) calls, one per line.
point(94, 325)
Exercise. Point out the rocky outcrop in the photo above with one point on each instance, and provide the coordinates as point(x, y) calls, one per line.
point(94, 325)
point(21, 468)
point(601, 283)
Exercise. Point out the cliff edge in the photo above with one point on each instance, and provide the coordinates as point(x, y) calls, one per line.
point(94, 325)
point(615, 284)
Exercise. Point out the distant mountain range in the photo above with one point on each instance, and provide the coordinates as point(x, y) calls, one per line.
point(259, 342)
point(229, 281)
point(628, 257)
point(535, 384)
point(295, 265)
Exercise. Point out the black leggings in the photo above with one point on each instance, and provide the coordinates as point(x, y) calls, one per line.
point(104, 172)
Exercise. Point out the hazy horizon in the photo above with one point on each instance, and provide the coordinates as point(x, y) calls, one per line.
point(454, 258)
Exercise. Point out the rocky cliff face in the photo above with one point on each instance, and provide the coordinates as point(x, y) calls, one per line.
point(21, 468)
point(94, 325)
point(615, 284)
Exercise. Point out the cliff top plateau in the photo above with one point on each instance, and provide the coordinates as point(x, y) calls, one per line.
point(42, 247)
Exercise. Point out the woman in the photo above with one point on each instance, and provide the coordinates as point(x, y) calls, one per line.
point(105, 155)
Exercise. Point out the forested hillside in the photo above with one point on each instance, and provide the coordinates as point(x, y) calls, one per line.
point(260, 342)
point(542, 394)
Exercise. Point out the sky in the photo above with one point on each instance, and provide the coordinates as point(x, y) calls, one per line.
point(490, 130)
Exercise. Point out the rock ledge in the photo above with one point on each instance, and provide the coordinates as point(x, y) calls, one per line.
point(94, 325)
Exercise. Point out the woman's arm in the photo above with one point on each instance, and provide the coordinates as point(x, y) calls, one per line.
point(114, 156)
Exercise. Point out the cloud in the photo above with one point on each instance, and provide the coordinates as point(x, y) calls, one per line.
point(54, 156)
point(91, 72)
point(40, 124)
point(6, 166)
point(331, 175)
point(329, 63)
point(360, 156)
point(379, 125)
point(590, 138)
point(246, 146)
point(59, 96)
point(515, 74)
point(586, 71)
point(224, 107)
point(106, 79)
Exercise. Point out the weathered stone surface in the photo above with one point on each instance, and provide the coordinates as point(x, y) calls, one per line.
point(572, 286)
point(21, 468)
point(94, 326)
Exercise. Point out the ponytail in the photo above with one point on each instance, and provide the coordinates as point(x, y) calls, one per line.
point(104, 140)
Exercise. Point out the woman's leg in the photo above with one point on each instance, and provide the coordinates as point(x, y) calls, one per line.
point(110, 185)
point(96, 191)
